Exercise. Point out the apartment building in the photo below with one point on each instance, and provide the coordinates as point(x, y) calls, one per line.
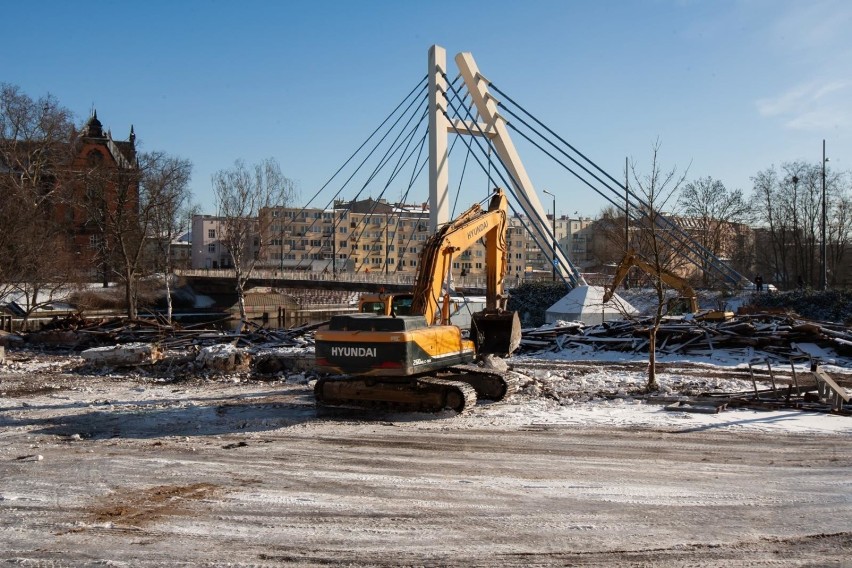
point(207, 249)
point(208, 246)
point(527, 259)
point(355, 236)
point(377, 236)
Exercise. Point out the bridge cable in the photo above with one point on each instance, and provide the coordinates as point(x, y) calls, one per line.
point(572, 271)
point(382, 162)
point(707, 255)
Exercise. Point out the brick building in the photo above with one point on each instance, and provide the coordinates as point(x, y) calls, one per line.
point(104, 177)
point(78, 180)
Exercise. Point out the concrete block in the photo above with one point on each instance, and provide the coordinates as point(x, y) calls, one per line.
point(224, 358)
point(127, 355)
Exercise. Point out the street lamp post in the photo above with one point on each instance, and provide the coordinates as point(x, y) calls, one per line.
point(281, 243)
point(553, 228)
point(387, 234)
point(823, 255)
point(333, 241)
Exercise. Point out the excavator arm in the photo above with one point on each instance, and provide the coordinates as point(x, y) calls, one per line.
point(632, 259)
point(436, 260)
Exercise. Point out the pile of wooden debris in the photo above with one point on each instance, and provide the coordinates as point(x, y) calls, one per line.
point(76, 333)
point(755, 335)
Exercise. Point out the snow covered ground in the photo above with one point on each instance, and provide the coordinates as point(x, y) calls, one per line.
point(575, 386)
point(138, 468)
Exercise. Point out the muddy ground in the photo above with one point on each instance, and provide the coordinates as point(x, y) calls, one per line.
point(129, 470)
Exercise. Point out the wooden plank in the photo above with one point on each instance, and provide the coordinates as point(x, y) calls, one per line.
point(698, 407)
point(823, 376)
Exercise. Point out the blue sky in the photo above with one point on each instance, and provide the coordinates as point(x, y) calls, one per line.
point(728, 87)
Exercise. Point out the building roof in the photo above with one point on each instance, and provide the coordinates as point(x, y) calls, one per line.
point(122, 151)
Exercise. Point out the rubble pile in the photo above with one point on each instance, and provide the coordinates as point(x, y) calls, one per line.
point(77, 333)
point(774, 336)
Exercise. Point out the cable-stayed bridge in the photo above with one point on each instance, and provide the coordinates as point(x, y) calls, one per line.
point(468, 121)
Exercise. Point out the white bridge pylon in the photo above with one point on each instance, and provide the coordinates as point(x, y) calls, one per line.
point(494, 127)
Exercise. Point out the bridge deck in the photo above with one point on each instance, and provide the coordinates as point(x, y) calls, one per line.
point(356, 282)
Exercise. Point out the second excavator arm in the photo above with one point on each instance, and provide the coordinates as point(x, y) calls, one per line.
point(632, 259)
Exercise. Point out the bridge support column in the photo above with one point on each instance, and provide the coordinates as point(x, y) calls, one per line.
point(439, 210)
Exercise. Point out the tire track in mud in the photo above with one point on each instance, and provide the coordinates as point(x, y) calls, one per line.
point(134, 507)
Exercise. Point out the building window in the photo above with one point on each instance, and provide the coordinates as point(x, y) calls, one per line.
point(211, 233)
point(211, 248)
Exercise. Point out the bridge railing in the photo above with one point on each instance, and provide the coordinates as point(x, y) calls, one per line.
point(310, 276)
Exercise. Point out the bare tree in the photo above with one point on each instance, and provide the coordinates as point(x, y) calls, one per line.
point(776, 227)
point(127, 205)
point(611, 238)
point(717, 213)
point(657, 189)
point(165, 184)
point(241, 192)
point(788, 206)
point(839, 238)
point(114, 209)
point(35, 149)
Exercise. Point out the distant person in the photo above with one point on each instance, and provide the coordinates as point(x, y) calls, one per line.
point(758, 283)
point(800, 282)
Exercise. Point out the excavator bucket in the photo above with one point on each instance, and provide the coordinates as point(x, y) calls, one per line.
point(495, 332)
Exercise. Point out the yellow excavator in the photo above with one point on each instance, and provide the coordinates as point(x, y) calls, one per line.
point(685, 303)
point(408, 356)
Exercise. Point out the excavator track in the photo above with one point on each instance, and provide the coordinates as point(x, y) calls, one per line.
point(489, 385)
point(426, 394)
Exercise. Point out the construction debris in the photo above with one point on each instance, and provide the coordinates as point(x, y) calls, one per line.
point(223, 358)
point(767, 342)
point(766, 335)
point(774, 345)
point(76, 332)
point(127, 355)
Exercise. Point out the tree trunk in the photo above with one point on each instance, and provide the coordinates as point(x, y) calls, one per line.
point(129, 297)
point(652, 360)
point(241, 299)
point(168, 297)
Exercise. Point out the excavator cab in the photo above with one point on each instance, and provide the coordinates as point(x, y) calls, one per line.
point(495, 332)
point(681, 306)
point(386, 304)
